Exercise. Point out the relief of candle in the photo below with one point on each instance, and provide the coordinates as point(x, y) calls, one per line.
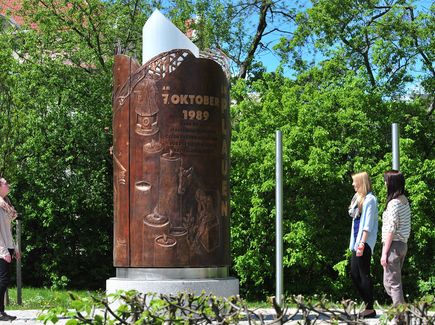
point(141, 207)
point(151, 168)
point(180, 235)
point(154, 225)
point(169, 199)
point(165, 250)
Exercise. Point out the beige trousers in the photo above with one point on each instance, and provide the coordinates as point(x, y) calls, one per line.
point(393, 272)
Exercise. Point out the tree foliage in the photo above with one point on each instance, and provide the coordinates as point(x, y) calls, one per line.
point(335, 116)
point(59, 162)
point(389, 42)
point(332, 126)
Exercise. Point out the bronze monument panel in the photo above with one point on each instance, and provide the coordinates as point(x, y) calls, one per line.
point(171, 139)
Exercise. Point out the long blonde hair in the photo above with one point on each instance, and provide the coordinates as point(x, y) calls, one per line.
point(365, 187)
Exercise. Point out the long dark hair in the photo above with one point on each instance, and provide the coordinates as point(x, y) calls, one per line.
point(395, 184)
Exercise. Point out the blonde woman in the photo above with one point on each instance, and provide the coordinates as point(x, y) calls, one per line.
point(364, 213)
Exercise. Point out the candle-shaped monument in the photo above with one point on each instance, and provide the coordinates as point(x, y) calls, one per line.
point(171, 139)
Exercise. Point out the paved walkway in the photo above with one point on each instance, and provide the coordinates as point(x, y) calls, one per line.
point(27, 317)
point(298, 319)
point(24, 316)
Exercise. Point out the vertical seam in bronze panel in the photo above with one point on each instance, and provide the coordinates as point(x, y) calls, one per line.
point(129, 166)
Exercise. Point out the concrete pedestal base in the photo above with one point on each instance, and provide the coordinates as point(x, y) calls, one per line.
point(173, 281)
point(219, 287)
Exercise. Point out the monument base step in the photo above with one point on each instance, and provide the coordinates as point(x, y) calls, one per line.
point(222, 287)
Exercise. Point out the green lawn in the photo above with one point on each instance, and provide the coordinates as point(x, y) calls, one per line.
point(41, 298)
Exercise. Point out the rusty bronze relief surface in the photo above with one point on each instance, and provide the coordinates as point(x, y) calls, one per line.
point(171, 161)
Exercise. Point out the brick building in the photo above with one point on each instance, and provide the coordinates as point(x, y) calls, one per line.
point(8, 12)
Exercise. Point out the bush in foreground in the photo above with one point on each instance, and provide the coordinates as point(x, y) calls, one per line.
point(132, 307)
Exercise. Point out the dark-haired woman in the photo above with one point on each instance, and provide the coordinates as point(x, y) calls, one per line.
point(396, 228)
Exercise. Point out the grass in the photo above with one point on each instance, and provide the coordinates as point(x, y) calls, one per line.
point(41, 298)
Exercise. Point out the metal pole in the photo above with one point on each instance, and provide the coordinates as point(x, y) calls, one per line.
point(19, 279)
point(278, 194)
point(395, 145)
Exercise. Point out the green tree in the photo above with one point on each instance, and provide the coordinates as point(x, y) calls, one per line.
point(55, 114)
point(243, 30)
point(387, 41)
point(58, 159)
point(333, 125)
point(56, 109)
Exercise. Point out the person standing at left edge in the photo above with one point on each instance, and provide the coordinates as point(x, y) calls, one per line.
point(7, 249)
point(364, 212)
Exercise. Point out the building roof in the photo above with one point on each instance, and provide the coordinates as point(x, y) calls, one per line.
point(9, 9)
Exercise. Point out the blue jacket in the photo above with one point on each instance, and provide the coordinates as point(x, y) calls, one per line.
point(368, 222)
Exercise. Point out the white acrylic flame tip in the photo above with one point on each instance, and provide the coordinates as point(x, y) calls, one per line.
point(159, 35)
